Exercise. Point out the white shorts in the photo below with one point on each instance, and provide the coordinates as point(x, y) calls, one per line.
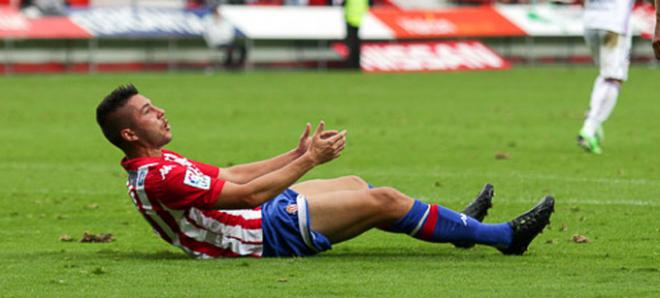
point(611, 52)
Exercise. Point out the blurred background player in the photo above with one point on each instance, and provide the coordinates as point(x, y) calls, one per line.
point(220, 34)
point(354, 11)
point(656, 37)
point(608, 34)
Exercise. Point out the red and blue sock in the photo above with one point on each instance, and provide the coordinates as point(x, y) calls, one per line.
point(435, 223)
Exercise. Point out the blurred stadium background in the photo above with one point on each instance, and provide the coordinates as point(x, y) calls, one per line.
point(167, 35)
point(436, 136)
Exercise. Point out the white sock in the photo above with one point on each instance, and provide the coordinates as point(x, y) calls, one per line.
point(611, 95)
point(603, 100)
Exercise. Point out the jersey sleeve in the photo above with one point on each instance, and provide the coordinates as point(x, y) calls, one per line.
point(207, 169)
point(186, 187)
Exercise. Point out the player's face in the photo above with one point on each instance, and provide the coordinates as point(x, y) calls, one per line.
point(148, 122)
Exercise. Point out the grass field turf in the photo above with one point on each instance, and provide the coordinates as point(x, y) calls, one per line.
point(434, 136)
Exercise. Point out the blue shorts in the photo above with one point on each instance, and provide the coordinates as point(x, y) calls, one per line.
point(286, 228)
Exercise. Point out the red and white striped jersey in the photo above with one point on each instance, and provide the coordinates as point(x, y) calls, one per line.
point(176, 195)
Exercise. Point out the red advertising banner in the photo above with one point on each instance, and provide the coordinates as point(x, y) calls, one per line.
point(644, 15)
point(451, 22)
point(15, 25)
point(429, 56)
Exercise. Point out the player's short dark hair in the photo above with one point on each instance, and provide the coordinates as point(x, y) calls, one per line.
point(111, 124)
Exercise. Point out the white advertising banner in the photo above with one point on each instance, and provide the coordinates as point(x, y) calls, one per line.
point(545, 19)
point(566, 20)
point(429, 56)
point(299, 23)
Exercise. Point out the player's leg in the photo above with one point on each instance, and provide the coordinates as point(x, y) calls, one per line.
point(478, 208)
point(610, 96)
point(346, 214)
point(342, 215)
point(314, 187)
point(615, 62)
point(229, 56)
point(611, 51)
point(586, 138)
point(242, 53)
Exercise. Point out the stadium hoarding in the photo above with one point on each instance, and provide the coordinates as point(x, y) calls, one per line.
point(545, 19)
point(429, 56)
point(283, 23)
point(553, 20)
point(126, 21)
point(446, 23)
point(15, 25)
point(311, 23)
point(643, 19)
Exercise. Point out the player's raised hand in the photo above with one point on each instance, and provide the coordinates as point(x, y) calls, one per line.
point(305, 140)
point(326, 145)
point(303, 143)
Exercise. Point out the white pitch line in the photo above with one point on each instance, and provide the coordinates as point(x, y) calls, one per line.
point(648, 202)
point(94, 167)
point(594, 180)
point(57, 166)
point(632, 202)
point(59, 192)
point(595, 202)
point(516, 175)
point(568, 201)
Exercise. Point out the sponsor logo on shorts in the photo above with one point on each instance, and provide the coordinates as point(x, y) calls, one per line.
point(292, 209)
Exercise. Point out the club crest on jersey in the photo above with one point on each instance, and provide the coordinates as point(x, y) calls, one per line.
point(197, 180)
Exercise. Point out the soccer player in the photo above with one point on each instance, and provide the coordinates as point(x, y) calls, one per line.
point(258, 209)
point(608, 33)
point(656, 37)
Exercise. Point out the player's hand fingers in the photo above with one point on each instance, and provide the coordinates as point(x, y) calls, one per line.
point(339, 149)
point(319, 129)
point(337, 137)
point(328, 133)
point(340, 143)
point(308, 129)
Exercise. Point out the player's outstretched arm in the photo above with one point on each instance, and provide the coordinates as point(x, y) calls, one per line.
point(245, 173)
point(656, 36)
point(263, 188)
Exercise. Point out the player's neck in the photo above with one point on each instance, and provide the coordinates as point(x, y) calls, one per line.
point(143, 152)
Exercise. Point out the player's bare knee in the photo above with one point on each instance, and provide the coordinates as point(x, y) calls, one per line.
point(387, 199)
point(356, 181)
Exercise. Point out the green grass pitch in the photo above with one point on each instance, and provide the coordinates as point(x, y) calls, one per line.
point(435, 136)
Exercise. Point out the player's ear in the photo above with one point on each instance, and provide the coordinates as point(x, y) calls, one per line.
point(128, 135)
